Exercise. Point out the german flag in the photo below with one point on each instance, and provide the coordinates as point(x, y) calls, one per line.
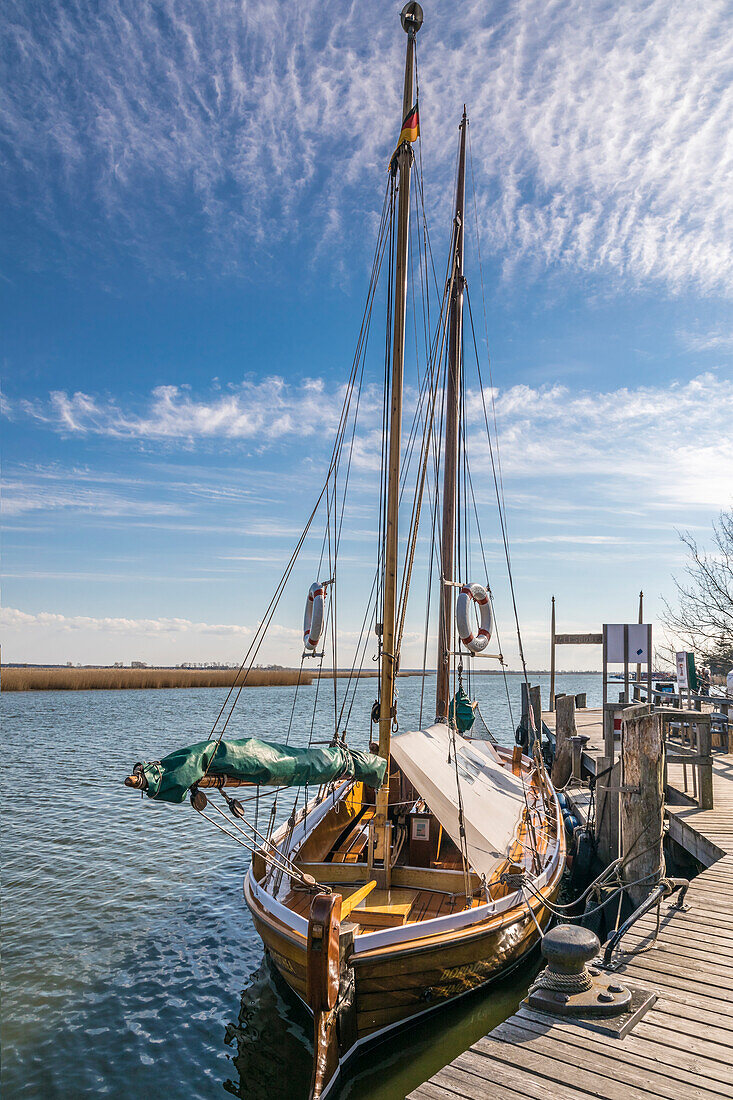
point(410, 129)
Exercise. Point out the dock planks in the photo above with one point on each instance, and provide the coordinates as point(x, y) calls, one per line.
point(682, 1049)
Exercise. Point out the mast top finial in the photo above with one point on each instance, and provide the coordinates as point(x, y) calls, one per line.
point(412, 17)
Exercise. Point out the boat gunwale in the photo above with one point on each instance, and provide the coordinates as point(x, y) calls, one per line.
point(418, 944)
point(468, 921)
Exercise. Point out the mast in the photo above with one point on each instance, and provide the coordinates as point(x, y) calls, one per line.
point(411, 17)
point(452, 433)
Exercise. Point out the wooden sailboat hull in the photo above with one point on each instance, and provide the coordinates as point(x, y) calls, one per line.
point(417, 946)
point(395, 985)
point(399, 986)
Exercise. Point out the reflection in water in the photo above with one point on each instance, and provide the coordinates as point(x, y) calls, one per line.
point(274, 1048)
point(406, 1060)
point(272, 1038)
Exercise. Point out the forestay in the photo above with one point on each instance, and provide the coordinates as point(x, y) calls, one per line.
point(493, 798)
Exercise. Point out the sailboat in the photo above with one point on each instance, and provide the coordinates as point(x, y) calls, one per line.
point(426, 867)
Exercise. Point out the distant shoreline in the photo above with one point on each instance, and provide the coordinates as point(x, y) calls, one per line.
point(56, 678)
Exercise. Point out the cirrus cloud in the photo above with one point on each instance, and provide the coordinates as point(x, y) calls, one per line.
point(600, 132)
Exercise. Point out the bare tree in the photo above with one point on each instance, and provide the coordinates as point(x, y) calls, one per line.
point(703, 619)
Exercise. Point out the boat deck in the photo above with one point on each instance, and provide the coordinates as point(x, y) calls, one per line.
point(426, 883)
point(417, 904)
point(683, 1046)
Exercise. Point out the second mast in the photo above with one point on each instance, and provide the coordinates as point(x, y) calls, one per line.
point(452, 442)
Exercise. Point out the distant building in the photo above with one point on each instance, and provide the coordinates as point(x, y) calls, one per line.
point(138, 664)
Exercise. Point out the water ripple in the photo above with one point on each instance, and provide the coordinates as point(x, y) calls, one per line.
point(129, 961)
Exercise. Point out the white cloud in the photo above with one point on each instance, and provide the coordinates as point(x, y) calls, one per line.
point(258, 411)
point(673, 445)
point(718, 339)
point(22, 496)
point(47, 620)
point(600, 131)
point(53, 637)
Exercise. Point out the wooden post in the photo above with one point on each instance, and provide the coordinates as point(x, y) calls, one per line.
point(577, 745)
point(551, 704)
point(535, 701)
point(607, 808)
point(642, 799)
point(609, 735)
point(564, 729)
point(524, 686)
point(705, 767)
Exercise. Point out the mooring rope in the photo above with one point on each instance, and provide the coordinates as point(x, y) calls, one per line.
point(563, 983)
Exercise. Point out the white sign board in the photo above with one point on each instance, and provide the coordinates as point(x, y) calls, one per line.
point(681, 662)
point(638, 651)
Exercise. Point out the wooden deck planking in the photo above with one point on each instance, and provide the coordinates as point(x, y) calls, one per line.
point(682, 1049)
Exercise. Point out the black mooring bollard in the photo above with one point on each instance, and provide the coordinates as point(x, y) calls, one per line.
point(568, 986)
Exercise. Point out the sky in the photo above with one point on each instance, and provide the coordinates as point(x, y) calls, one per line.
point(191, 196)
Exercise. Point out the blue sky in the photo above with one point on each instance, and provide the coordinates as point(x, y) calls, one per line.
point(191, 197)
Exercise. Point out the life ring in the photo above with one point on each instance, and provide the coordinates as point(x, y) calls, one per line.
point(313, 618)
point(474, 593)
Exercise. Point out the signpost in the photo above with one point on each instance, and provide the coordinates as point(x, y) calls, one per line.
point(686, 673)
point(623, 644)
point(681, 662)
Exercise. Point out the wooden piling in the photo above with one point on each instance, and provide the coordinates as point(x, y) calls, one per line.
point(565, 728)
point(535, 701)
point(607, 808)
point(642, 799)
point(524, 687)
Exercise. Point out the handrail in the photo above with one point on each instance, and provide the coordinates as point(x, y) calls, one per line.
point(663, 889)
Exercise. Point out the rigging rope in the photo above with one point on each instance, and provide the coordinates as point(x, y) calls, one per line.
point(255, 645)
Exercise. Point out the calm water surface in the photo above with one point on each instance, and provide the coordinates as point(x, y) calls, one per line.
point(129, 963)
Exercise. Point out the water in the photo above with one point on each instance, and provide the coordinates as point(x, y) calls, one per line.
point(129, 963)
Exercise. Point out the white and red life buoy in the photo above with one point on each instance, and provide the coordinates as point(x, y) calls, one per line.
point(474, 594)
point(313, 618)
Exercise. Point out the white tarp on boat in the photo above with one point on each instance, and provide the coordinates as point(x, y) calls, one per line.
point(493, 798)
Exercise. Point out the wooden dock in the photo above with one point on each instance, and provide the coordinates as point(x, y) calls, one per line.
point(683, 1046)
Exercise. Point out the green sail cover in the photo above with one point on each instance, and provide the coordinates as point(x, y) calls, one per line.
point(461, 711)
point(262, 762)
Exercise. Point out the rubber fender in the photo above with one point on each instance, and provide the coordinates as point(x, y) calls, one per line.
point(583, 862)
